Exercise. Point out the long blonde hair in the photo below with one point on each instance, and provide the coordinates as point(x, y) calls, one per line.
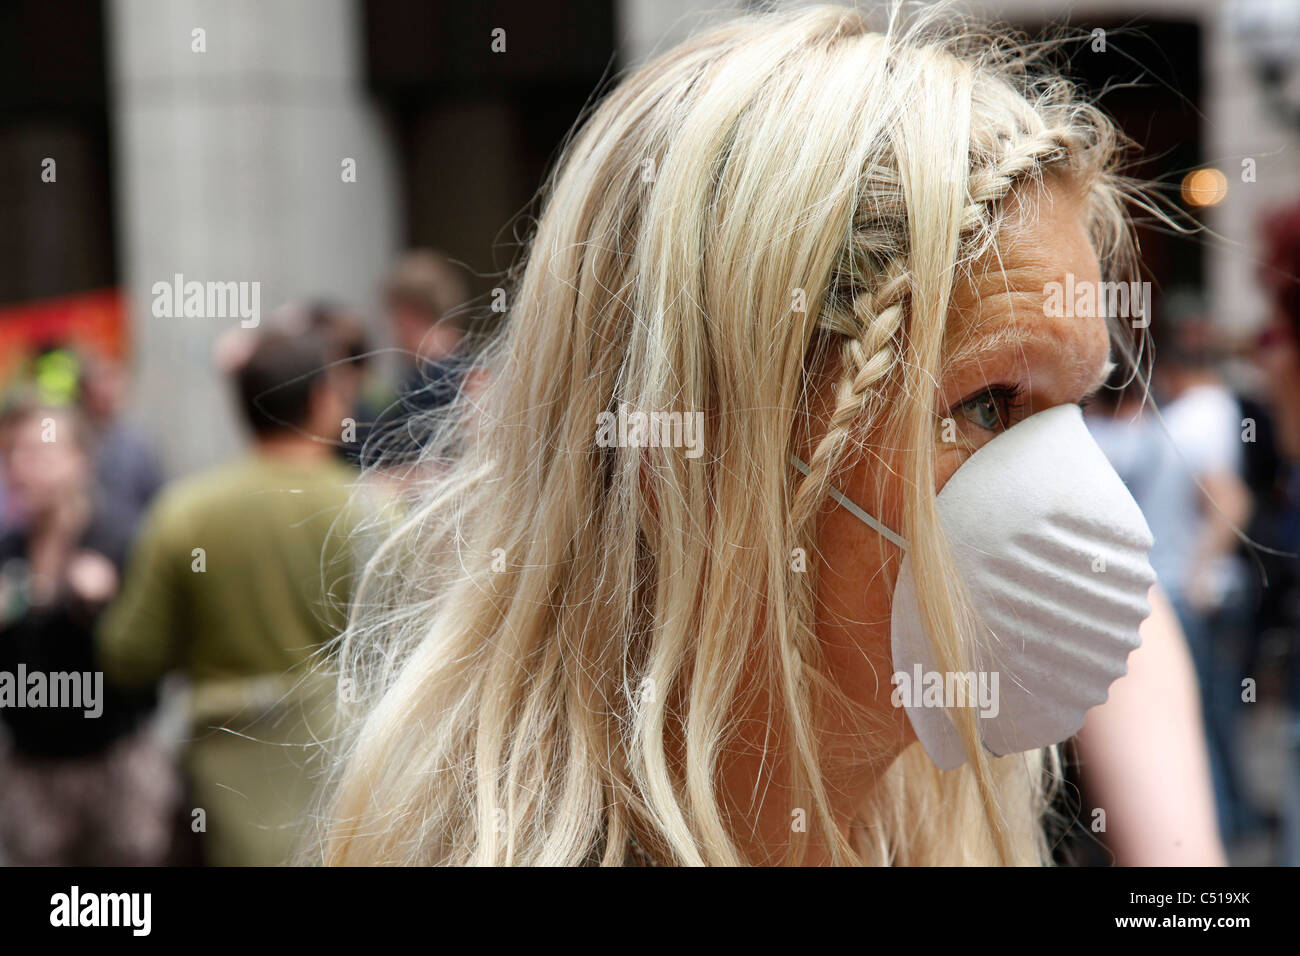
point(784, 199)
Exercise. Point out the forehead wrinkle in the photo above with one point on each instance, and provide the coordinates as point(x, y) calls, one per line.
point(995, 311)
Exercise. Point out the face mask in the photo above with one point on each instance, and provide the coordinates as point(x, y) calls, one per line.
point(1052, 550)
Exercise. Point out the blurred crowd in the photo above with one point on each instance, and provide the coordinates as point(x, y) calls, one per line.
point(205, 602)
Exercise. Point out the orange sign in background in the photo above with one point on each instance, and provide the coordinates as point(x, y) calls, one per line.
point(93, 322)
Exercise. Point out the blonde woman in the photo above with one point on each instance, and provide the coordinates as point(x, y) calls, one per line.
point(826, 251)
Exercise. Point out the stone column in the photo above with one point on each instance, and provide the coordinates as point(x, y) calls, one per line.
point(230, 144)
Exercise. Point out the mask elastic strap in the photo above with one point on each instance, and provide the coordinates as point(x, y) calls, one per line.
point(854, 510)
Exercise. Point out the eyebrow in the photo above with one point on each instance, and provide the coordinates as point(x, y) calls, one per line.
point(978, 345)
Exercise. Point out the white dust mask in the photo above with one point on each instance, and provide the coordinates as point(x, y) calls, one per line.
point(1052, 550)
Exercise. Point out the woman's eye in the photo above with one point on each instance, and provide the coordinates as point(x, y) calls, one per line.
point(992, 409)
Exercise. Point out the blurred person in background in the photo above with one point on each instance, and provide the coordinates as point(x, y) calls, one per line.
point(1208, 580)
point(1277, 355)
point(76, 789)
point(126, 467)
point(422, 294)
point(237, 581)
point(343, 333)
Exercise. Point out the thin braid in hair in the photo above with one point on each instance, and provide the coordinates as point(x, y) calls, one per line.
point(867, 358)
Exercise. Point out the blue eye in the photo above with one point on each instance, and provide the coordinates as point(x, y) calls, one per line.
point(993, 408)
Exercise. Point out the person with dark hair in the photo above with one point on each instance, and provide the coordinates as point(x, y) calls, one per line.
point(237, 581)
point(345, 333)
point(87, 781)
point(280, 382)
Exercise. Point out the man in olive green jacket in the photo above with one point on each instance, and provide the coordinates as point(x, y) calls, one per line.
point(239, 580)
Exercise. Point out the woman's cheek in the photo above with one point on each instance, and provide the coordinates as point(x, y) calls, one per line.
point(948, 459)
